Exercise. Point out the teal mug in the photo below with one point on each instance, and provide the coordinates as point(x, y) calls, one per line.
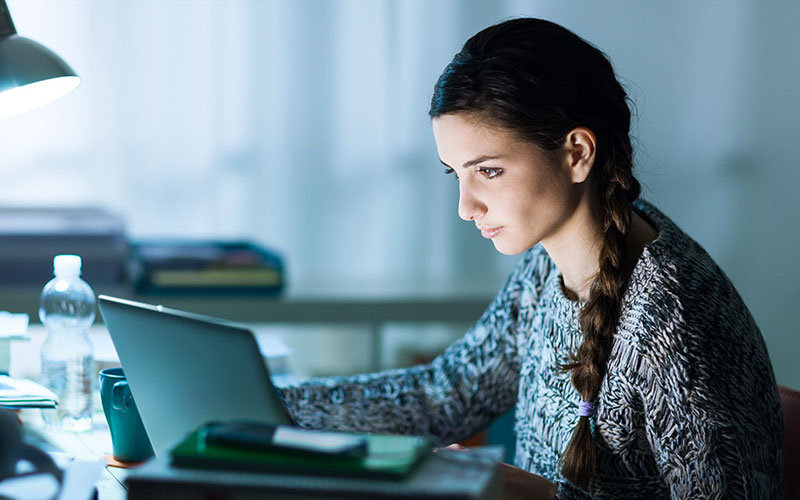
point(128, 438)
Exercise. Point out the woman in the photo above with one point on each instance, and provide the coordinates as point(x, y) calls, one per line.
point(635, 367)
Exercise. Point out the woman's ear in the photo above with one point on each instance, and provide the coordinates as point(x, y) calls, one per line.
point(580, 145)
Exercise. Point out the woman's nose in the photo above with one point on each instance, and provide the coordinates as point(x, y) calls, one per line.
point(469, 207)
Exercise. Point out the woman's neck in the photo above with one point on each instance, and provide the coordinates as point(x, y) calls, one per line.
point(575, 250)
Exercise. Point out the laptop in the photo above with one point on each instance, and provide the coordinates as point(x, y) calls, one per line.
point(185, 370)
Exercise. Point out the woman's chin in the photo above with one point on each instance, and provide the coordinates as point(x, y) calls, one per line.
point(507, 248)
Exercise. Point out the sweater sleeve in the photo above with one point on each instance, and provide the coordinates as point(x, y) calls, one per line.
point(711, 440)
point(460, 392)
point(694, 448)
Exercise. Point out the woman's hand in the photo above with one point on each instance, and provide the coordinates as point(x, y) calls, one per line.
point(519, 484)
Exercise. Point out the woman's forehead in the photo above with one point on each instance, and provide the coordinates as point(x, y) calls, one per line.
point(459, 136)
point(470, 132)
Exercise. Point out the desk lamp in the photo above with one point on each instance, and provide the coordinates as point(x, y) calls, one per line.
point(31, 75)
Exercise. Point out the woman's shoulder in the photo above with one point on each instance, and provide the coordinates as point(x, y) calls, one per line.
point(678, 287)
point(690, 329)
point(675, 263)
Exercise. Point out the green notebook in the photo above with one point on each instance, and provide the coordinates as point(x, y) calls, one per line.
point(388, 456)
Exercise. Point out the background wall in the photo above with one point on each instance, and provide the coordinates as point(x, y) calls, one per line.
point(302, 124)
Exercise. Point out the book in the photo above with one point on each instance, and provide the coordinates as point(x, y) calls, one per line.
point(451, 476)
point(24, 393)
point(387, 456)
point(205, 266)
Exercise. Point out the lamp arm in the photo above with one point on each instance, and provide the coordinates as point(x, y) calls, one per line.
point(6, 24)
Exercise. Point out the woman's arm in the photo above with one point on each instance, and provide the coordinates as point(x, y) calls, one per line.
point(457, 394)
point(712, 413)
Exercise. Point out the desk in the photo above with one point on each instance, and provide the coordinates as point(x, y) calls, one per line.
point(450, 475)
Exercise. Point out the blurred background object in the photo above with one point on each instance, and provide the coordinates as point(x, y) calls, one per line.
point(31, 236)
point(205, 267)
point(301, 125)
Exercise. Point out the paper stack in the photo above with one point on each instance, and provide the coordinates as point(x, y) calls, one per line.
point(24, 393)
point(12, 327)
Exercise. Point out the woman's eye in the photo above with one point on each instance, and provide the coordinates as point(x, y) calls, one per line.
point(449, 170)
point(489, 173)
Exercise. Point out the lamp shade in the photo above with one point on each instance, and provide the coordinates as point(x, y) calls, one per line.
point(31, 75)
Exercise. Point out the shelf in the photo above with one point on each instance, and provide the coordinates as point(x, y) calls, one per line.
point(298, 307)
point(313, 306)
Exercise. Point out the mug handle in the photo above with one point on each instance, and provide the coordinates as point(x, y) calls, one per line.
point(121, 398)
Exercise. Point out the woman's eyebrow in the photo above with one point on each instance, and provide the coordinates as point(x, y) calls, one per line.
point(474, 161)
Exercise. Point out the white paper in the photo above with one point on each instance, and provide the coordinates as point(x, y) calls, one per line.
point(80, 477)
point(21, 390)
point(13, 324)
point(33, 487)
point(272, 346)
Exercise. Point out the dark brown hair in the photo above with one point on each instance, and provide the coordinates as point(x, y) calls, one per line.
point(541, 81)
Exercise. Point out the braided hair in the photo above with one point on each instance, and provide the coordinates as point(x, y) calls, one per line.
point(540, 81)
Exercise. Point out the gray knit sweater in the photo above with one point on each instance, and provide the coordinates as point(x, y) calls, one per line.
point(688, 409)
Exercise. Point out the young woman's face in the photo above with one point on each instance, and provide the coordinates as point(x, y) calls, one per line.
point(517, 194)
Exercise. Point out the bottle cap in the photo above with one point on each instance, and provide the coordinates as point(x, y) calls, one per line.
point(67, 265)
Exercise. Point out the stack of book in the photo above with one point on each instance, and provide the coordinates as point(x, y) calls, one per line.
point(24, 393)
point(204, 266)
point(31, 236)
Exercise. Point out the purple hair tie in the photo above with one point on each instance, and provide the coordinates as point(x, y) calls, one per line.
point(585, 409)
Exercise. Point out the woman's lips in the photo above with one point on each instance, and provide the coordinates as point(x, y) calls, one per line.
point(489, 232)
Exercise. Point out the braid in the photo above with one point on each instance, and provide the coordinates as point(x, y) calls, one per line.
point(599, 317)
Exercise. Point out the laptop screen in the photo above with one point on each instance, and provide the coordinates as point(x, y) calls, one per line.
point(185, 370)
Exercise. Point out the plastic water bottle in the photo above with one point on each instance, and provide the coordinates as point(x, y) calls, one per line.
point(67, 309)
